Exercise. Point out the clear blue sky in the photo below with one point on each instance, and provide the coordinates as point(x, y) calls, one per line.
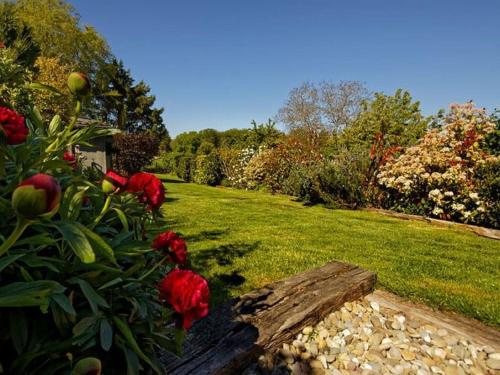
point(220, 64)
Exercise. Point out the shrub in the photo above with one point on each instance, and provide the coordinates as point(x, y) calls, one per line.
point(342, 180)
point(184, 167)
point(302, 182)
point(443, 175)
point(132, 152)
point(207, 170)
point(80, 285)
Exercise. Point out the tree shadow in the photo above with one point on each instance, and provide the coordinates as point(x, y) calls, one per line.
point(170, 199)
point(222, 255)
point(222, 283)
point(206, 235)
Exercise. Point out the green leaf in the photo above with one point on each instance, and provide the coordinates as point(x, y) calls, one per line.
point(42, 239)
point(123, 218)
point(42, 87)
point(7, 260)
point(84, 331)
point(75, 204)
point(36, 118)
point(133, 364)
point(95, 300)
point(106, 335)
point(111, 283)
point(99, 245)
point(55, 125)
point(33, 293)
point(18, 327)
point(125, 330)
point(78, 242)
point(64, 303)
point(35, 261)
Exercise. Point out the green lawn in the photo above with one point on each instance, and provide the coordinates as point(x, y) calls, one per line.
point(241, 240)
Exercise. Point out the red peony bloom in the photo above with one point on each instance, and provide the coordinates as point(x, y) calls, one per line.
point(70, 159)
point(173, 245)
point(151, 190)
point(113, 183)
point(38, 195)
point(12, 126)
point(188, 294)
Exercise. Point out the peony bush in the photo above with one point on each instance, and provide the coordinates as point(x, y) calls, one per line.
point(84, 288)
point(444, 175)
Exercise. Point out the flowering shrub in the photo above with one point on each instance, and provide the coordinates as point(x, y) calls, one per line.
point(82, 290)
point(442, 175)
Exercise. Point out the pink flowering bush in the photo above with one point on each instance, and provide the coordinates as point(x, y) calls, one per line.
point(443, 176)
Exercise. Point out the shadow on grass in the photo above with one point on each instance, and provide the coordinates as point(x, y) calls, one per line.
point(221, 284)
point(206, 235)
point(170, 199)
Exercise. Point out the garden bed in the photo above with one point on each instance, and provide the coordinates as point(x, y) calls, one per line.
point(480, 231)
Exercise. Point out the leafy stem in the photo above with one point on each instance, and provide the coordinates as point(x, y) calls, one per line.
point(21, 226)
point(104, 210)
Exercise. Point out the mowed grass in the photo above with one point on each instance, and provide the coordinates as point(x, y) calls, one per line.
point(241, 240)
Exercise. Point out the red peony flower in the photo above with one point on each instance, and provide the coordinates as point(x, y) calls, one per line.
point(70, 159)
point(173, 245)
point(38, 195)
point(113, 183)
point(151, 190)
point(187, 293)
point(12, 126)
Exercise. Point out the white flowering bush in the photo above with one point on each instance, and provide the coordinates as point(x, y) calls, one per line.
point(443, 176)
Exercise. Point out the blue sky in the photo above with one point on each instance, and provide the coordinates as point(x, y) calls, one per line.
point(220, 64)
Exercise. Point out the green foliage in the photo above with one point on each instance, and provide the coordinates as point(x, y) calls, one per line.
point(185, 166)
point(16, 35)
point(13, 81)
point(397, 118)
point(207, 169)
point(342, 181)
point(491, 143)
point(59, 34)
point(125, 103)
point(134, 151)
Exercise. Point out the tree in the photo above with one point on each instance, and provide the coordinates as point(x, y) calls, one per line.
point(55, 27)
point(327, 107)
point(16, 35)
point(50, 71)
point(130, 106)
point(396, 119)
point(341, 103)
point(264, 134)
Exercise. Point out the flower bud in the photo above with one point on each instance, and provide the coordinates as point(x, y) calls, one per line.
point(113, 183)
point(38, 195)
point(87, 366)
point(79, 84)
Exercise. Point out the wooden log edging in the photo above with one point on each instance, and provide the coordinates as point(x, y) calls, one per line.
point(234, 335)
point(480, 231)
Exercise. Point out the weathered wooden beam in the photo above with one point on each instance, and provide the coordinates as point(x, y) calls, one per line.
point(235, 334)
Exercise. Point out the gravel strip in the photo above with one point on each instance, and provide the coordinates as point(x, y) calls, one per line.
point(363, 338)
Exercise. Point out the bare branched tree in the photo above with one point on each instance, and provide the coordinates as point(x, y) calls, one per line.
point(341, 103)
point(325, 107)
